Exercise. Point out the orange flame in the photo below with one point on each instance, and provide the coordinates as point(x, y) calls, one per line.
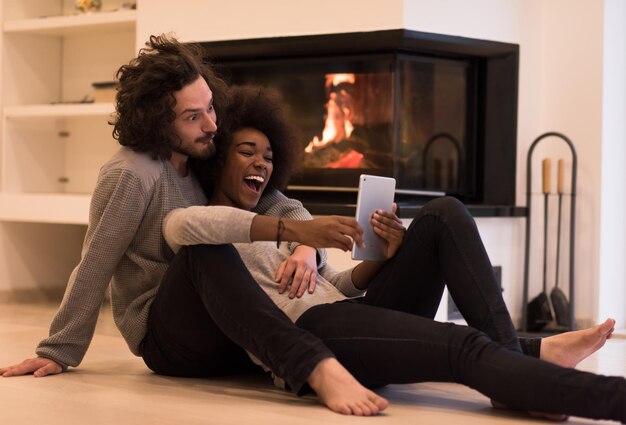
point(338, 125)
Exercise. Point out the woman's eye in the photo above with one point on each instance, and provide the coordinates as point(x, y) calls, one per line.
point(269, 159)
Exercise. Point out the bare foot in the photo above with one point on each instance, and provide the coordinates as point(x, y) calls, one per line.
point(570, 348)
point(567, 350)
point(341, 392)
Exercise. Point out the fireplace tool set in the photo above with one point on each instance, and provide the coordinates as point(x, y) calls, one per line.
point(550, 312)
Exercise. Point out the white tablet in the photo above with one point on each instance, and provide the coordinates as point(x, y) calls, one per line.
point(375, 193)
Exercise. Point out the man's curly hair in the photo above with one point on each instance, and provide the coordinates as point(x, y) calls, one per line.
point(261, 109)
point(145, 101)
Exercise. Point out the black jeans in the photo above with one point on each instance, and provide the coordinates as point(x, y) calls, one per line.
point(208, 307)
point(389, 335)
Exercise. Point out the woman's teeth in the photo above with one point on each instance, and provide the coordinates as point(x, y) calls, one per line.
point(254, 181)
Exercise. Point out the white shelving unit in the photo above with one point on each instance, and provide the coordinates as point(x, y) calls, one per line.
point(75, 24)
point(59, 110)
point(53, 143)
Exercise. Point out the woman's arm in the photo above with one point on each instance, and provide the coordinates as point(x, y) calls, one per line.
point(220, 224)
point(211, 225)
point(275, 203)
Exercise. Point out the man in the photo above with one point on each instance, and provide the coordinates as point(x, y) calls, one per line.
point(187, 315)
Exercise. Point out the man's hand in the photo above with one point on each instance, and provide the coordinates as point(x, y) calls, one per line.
point(325, 232)
point(300, 269)
point(388, 226)
point(39, 367)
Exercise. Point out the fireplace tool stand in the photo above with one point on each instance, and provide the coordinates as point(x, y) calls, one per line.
point(553, 314)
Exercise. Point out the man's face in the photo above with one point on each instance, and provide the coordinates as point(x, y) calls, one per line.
point(247, 170)
point(195, 122)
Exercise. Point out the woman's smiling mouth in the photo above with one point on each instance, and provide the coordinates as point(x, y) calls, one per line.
point(254, 182)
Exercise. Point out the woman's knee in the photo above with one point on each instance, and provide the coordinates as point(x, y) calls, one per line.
point(439, 212)
point(446, 205)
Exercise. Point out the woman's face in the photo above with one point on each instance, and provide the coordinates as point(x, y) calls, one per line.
point(246, 171)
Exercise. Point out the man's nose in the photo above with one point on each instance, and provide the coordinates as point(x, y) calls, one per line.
point(209, 125)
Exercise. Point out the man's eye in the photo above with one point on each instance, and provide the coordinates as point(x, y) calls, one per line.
point(192, 117)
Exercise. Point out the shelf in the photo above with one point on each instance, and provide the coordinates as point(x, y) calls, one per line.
point(45, 208)
point(59, 110)
point(75, 24)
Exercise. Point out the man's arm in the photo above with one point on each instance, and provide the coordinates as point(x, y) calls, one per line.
point(112, 226)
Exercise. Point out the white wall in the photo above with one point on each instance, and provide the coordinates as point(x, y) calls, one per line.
point(202, 20)
point(612, 266)
point(572, 68)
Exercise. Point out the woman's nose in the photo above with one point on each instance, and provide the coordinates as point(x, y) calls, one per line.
point(260, 163)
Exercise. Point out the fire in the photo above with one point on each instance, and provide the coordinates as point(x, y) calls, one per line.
point(339, 112)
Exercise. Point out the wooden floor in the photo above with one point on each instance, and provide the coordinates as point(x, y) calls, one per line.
point(113, 387)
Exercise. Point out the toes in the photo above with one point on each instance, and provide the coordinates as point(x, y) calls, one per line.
point(344, 409)
point(372, 407)
point(357, 410)
point(382, 403)
point(607, 327)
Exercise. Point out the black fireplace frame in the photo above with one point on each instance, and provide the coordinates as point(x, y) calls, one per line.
point(496, 87)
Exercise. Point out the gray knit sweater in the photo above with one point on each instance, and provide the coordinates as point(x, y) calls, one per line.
point(124, 249)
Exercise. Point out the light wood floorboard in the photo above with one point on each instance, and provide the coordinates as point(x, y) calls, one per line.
point(113, 387)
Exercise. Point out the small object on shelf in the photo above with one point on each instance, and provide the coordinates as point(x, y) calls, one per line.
point(105, 91)
point(85, 99)
point(85, 6)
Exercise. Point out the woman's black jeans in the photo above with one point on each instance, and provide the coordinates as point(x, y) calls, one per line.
point(389, 335)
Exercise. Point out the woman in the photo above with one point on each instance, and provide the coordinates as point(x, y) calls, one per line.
point(388, 335)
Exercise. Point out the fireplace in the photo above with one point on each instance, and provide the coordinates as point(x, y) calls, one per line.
point(437, 112)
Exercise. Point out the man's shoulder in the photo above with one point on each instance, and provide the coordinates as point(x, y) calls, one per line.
point(127, 167)
point(140, 164)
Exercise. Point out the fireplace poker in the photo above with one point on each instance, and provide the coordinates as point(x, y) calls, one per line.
point(558, 298)
point(539, 309)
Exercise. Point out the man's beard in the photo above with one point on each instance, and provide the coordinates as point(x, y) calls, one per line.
point(187, 151)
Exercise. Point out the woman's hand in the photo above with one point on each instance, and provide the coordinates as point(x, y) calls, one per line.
point(325, 232)
point(39, 367)
point(388, 226)
point(300, 269)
